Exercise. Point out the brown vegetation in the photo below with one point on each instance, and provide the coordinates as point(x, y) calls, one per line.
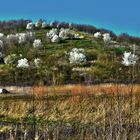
point(78, 89)
point(90, 116)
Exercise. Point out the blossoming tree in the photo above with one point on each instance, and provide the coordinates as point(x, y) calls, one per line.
point(76, 56)
point(129, 59)
point(23, 63)
point(37, 43)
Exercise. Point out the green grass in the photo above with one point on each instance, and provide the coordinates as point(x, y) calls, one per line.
point(96, 51)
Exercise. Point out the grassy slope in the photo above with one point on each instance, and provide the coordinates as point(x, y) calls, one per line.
point(103, 62)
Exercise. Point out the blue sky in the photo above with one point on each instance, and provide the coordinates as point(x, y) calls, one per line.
point(117, 15)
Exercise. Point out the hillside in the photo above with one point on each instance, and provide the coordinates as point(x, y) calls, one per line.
point(53, 72)
point(61, 53)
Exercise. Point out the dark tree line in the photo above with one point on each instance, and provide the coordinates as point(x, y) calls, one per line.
point(92, 29)
point(127, 38)
point(13, 26)
point(19, 25)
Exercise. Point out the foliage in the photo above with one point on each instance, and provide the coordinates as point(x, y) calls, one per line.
point(60, 53)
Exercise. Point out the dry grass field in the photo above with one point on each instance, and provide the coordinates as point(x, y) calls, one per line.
point(106, 111)
point(78, 89)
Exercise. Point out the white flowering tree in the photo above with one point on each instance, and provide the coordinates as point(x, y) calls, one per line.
point(38, 23)
point(55, 39)
point(12, 38)
point(76, 36)
point(37, 43)
point(30, 26)
point(76, 56)
point(11, 59)
point(44, 24)
point(52, 33)
point(23, 63)
point(64, 34)
point(56, 35)
point(22, 38)
point(97, 35)
point(25, 37)
point(106, 37)
point(129, 59)
point(37, 62)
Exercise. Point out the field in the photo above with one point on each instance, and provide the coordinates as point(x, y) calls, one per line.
point(68, 82)
point(106, 111)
